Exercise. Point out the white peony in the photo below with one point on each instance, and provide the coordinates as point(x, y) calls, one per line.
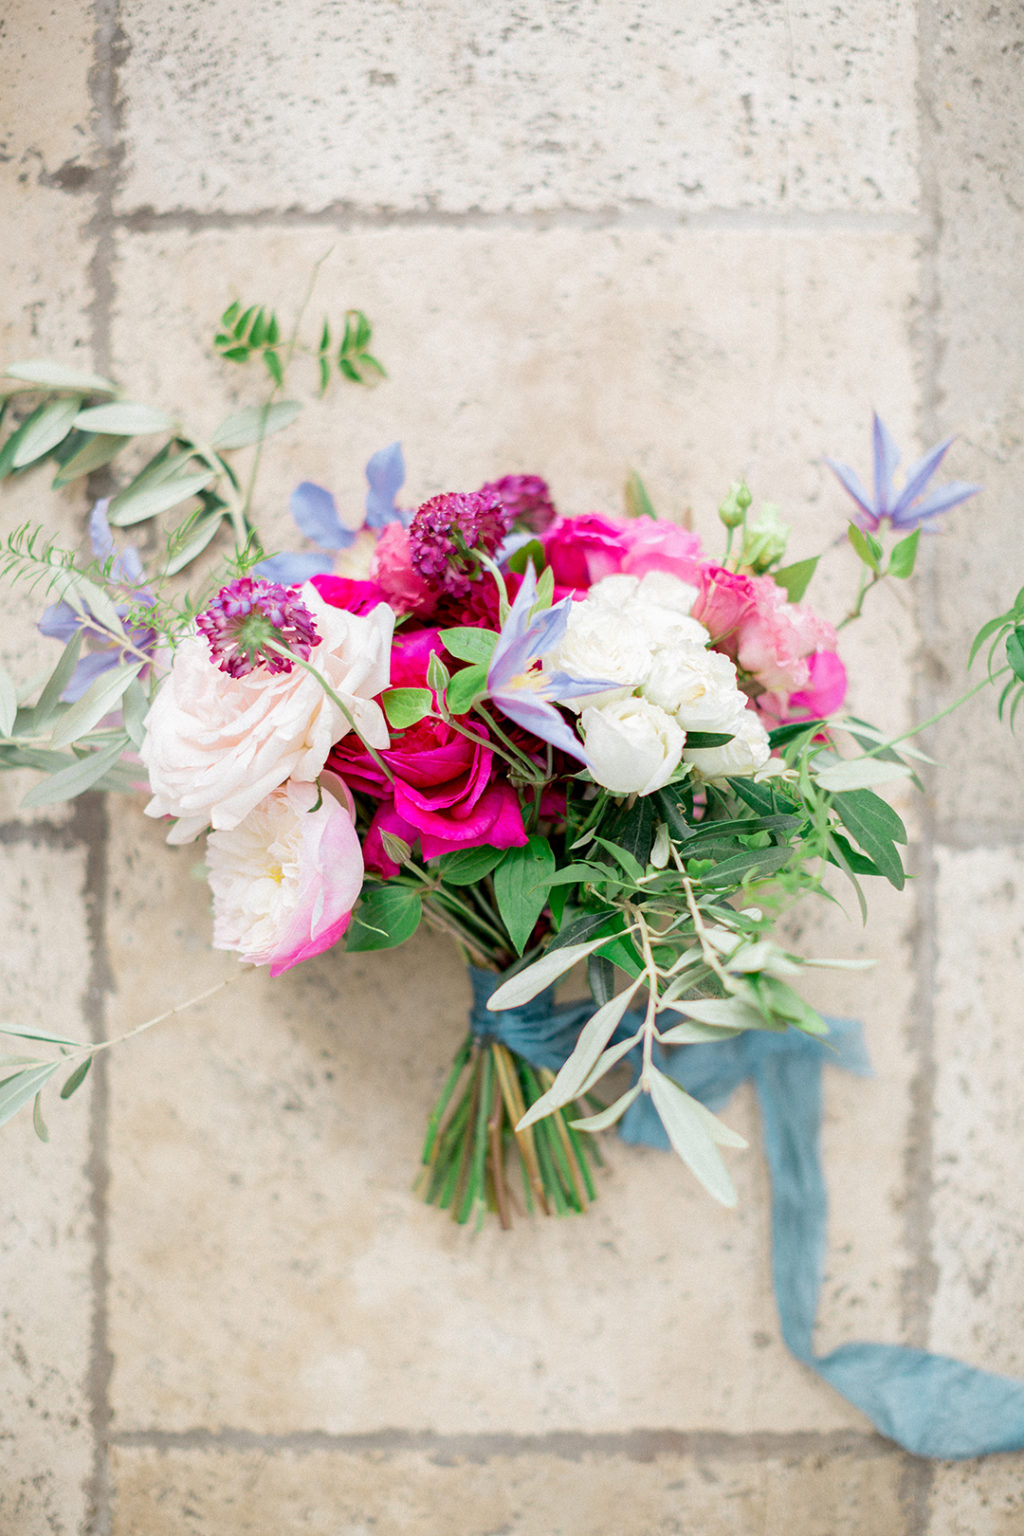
point(599, 643)
point(744, 755)
point(633, 747)
point(697, 686)
point(285, 880)
point(215, 745)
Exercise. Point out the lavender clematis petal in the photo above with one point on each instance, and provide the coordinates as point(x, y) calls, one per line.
point(87, 671)
point(292, 570)
point(385, 474)
point(887, 456)
point(533, 714)
point(59, 622)
point(947, 496)
point(851, 483)
point(316, 513)
point(127, 570)
point(918, 476)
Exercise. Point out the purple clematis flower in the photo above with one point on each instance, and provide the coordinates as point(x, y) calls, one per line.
point(517, 682)
point(61, 622)
point(316, 514)
point(905, 508)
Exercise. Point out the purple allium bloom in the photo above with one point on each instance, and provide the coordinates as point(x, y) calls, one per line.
point(447, 531)
point(905, 508)
point(246, 616)
point(527, 498)
point(516, 681)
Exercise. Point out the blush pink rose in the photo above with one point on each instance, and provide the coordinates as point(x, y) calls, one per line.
point(285, 879)
point(724, 599)
point(392, 569)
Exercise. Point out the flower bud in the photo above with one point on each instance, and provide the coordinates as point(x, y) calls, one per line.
point(734, 507)
point(764, 542)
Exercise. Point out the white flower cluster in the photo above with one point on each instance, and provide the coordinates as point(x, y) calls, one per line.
point(638, 633)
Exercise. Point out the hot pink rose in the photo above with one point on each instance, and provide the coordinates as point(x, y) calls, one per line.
point(825, 691)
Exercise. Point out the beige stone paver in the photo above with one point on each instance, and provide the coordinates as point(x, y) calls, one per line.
point(45, 1222)
point(535, 1493)
point(978, 1498)
point(979, 1128)
point(458, 108)
point(46, 138)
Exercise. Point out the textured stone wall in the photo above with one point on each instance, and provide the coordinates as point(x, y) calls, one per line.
point(697, 239)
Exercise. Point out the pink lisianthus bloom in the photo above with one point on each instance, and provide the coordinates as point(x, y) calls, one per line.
point(723, 601)
point(775, 638)
point(286, 878)
point(655, 546)
point(581, 550)
point(392, 569)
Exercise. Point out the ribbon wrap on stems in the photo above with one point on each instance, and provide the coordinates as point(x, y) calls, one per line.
point(931, 1405)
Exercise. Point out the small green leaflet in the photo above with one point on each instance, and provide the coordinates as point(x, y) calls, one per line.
point(194, 534)
point(795, 579)
point(521, 888)
point(901, 561)
point(693, 1132)
point(77, 778)
point(868, 549)
point(98, 700)
point(1015, 651)
point(50, 375)
point(405, 706)
point(77, 1078)
point(140, 502)
point(95, 452)
point(8, 703)
point(852, 773)
point(469, 644)
point(386, 916)
point(23, 1086)
point(256, 422)
point(465, 687)
point(638, 503)
point(124, 418)
point(467, 866)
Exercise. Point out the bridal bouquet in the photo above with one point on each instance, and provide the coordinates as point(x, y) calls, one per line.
point(563, 740)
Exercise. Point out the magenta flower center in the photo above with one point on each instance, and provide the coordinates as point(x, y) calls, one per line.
point(257, 623)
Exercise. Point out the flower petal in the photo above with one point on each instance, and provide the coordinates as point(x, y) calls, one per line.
point(385, 474)
point(316, 513)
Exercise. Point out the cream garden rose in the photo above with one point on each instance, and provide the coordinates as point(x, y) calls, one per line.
point(744, 755)
point(633, 746)
point(216, 745)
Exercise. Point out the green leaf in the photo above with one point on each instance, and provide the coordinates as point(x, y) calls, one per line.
point(759, 863)
point(8, 703)
point(405, 706)
point(573, 1073)
point(140, 502)
point(325, 337)
point(49, 699)
point(795, 579)
point(51, 375)
point(255, 422)
point(273, 330)
point(363, 331)
point(230, 315)
point(465, 687)
point(697, 739)
point(21, 1087)
point(860, 773)
point(38, 1123)
point(529, 554)
point(98, 700)
point(386, 916)
point(258, 334)
point(984, 632)
point(134, 708)
point(204, 527)
point(1015, 650)
point(77, 1078)
point(579, 929)
point(632, 832)
point(877, 828)
point(638, 503)
point(76, 779)
point(687, 1125)
point(236, 354)
point(785, 733)
point(469, 644)
point(44, 429)
point(468, 866)
point(901, 561)
point(26, 1032)
point(96, 451)
point(273, 365)
point(525, 985)
point(124, 418)
point(520, 886)
point(242, 323)
point(868, 549)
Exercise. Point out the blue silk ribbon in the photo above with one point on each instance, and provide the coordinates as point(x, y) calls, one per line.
point(929, 1404)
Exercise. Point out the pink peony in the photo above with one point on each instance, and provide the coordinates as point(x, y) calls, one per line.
point(393, 571)
point(725, 598)
point(286, 878)
point(652, 546)
point(582, 550)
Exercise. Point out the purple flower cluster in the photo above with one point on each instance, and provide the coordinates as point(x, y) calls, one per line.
point(448, 531)
point(248, 620)
point(527, 499)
